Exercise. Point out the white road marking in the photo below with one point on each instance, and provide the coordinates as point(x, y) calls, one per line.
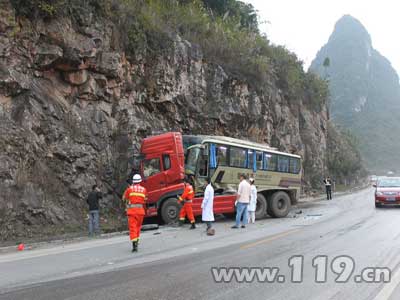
point(388, 289)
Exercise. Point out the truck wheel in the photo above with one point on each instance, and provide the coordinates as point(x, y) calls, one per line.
point(170, 211)
point(261, 208)
point(280, 204)
point(269, 205)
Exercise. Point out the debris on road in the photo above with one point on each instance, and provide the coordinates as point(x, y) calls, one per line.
point(150, 227)
point(313, 216)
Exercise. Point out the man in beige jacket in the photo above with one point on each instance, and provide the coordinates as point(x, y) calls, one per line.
point(243, 199)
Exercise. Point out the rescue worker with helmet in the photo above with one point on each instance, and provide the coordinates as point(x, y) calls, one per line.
point(135, 197)
point(186, 200)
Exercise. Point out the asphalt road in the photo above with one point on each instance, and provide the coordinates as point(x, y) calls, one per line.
point(175, 263)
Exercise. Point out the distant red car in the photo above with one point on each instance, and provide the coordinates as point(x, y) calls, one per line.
point(387, 191)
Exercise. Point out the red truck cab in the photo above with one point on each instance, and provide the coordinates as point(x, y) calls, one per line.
point(162, 166)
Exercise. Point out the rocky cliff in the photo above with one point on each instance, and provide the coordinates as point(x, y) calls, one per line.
point(73, 110)
point(365, 92)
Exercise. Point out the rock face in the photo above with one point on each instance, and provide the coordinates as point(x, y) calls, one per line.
point(73, 110)
point(365, 92)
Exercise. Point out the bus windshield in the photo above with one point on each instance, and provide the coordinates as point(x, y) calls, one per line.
point(191, 160)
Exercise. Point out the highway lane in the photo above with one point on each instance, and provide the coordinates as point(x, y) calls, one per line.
point(176, 264)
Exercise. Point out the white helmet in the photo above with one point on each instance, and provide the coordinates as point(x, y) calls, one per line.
point(137, 178)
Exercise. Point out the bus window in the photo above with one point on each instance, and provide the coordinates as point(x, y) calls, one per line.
point(294, 165)
point(250, 159)
point(222, 159)
point(203, 166)
point(237, 157)
point(270, 161)
point(283, 164)
point(259, 159)
point(191, 160)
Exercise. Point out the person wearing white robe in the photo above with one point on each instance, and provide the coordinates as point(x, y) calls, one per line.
point(253, 202)
point(207, 215)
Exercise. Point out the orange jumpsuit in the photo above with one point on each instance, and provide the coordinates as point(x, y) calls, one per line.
point(136, 196)
point(187, 199)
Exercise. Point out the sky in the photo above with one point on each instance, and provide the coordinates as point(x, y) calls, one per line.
point(304, 26)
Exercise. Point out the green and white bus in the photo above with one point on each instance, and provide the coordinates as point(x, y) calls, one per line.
point(277, 174)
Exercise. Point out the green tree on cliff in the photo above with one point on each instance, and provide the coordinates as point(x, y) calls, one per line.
point(326, 64)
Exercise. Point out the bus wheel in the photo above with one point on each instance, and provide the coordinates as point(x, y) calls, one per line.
point(279, 204)
point(269, 211)
point(170, 211)
point(261, 207)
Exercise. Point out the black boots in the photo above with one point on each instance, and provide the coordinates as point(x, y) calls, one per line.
point(182, 222)
point(135, 246)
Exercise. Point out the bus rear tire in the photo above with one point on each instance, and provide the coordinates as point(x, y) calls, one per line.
point(279, 205)
point(170, 211)
point(261, 208)
point(269, 211)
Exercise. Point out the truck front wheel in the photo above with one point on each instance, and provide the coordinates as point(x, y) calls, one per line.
point(170, 211)
point(279, 204)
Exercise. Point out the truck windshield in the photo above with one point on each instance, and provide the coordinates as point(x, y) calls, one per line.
point(191, 160)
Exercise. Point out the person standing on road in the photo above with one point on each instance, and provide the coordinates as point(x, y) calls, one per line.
point(253, 202)
point(135, 197)
point(93, 202)
point(207, 205)
point(186, 200)
point(243, 199)
point(328, 188)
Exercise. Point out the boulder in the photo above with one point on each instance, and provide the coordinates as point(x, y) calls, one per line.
point(76, 77)
point(12, 82)
point(46, 55)
point(4, 47)
point(109, 64)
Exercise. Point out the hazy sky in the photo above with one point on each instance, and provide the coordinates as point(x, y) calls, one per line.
point(304, 26)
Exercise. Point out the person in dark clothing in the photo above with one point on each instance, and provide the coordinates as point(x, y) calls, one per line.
point(93, 202)
point(328, 188)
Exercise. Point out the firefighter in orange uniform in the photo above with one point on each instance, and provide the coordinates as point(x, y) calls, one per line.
point(186, 201)
point(135, 197)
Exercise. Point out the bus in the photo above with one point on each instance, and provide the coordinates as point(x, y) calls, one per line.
point(165, 159)
point(277, 174)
